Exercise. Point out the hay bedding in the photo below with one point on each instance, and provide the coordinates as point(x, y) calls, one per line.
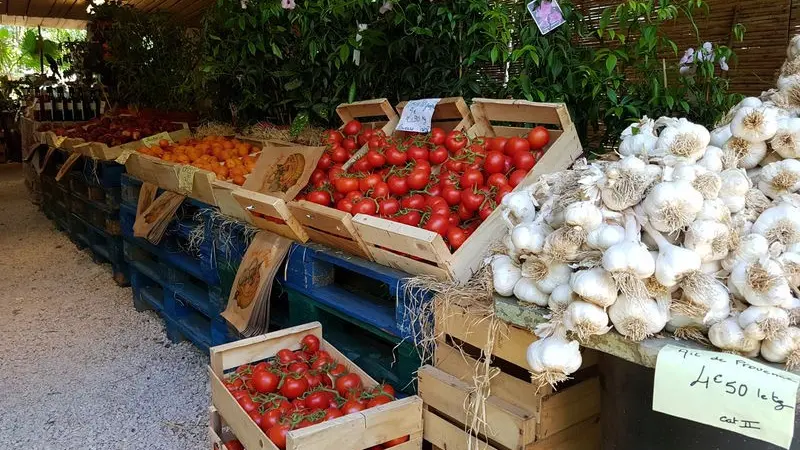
point(82, 368)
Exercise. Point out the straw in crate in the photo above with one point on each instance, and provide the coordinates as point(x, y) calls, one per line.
point(422, 252)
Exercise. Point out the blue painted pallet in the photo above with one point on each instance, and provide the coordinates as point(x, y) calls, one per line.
point(196, 258)
point(190, 308)
point(105, 197)
point(367, 291)
point(107, 174)
point(98, 214)
point(103, 246)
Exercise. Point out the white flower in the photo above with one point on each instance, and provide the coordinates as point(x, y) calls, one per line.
point(288, 4)
point(688, 71)
point(386, 7)
point(688, 56)
point(723, 63)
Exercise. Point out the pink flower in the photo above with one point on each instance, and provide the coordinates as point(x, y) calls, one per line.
point(386, 7)
point(545, 8)
point(288, 4)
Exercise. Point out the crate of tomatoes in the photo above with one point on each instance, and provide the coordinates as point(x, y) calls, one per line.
point(348, 183)
point(292, 390)
point(428, 204)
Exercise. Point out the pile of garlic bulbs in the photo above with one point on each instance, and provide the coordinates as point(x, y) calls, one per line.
point(690, 230)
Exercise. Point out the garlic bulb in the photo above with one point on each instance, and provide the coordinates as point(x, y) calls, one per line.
point(519, 207)
point(643, 143)
point(780, 178)
point(714, 209)
point(583, 214)
point(673, 262)
point(786, 141)
point(505, 275)
point(624, 183)
point(529, 237)
point(629, 262)
point(783, 348)
point(761, 283)
point(605, 236)
point(708, 239)
point(790, 262)
point(735, 185)
point(553, 358)
point(755, 124)
point(639, 317)
point(585, 320)
point(763, 322)
point(712, 158)
point(741, 153)
point(564, 243)
point(547, 275)
point(750, 248)
point(672, 205)
point(643, 126)
point(728, 335)
point(750, 102)
point(684, 140)
point(780, 223)
point(719, 136)
point(594, 286)
point(525, 290)
point(561, 296)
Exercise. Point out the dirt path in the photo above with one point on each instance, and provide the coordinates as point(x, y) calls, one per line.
point(80, 367)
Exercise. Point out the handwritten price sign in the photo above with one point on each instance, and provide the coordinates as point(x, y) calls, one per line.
point(728, 392)
point(152, 141)
point(417, 115)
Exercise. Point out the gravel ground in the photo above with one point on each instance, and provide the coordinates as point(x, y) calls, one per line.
point(79, 367)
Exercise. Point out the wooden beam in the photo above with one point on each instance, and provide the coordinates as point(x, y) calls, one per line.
point(16, 7)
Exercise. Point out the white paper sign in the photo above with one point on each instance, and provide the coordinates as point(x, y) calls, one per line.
point(417, 114)
point(728, 392)
point(547, 14)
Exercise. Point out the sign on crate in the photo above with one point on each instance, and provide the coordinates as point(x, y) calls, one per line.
point(726, 391)
point(417, 115)
point(152, 141)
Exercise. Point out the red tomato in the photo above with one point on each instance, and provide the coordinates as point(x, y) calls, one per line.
point(471, 178)
point(438, 136)
point(417, 179)
point(472, 200)
point(325, 162)
point(338, 369)
point(455, 140)
point(366, 206)
point(349, 144)
point(508, 164)
point(395, 442)
point(437, 223)
point(456, 237)
point(423, 165)
point(313, 378)
point(434, 189)
point(538, 137)
point(381, 190)
point(454, 165)
point(524, 160)
point(361, 165)
point(352, 406)
point(234, 444)
point(352, 128)
point(335, 172)
point(450, 180)
point(415, 201)
point(255, 417)
point(277, 435)
point(464, 213)
point(298, 367)
point(364, 137)
point(442, 209)
point(454, 220)
point(265, 381)
point(485, 211)
point(497, 144)
point(286, 356)
point(516, 177)
point(270, 419)
point(354, 196)
point(375, 142)
point(247, 403)
point(397, 185)
point(318, 400)
point(369, 181)
point(410, 218)
point(438, 155)
point(310, 343)
point(332, 413)
point(339, 154)
point(388, 207)
point(379, 400)
point(375, 159)
point(319, 362)
point(494, 162)
point(347, 383)
point(331, 137)
point(318, 176)
point(417, 153)
point(345, 205)
point(345, 185)
point(293, 387)
point(394, 156)
point(497, 180)
point(517, 144)
point(502, 191)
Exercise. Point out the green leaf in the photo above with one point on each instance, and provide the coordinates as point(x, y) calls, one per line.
point(493, 55)
point(611, 62)
point(276, 51)
point(351, 96)
point(685, 105)
point(299, 124)
point(525, 84)
point(670, 101)
point(241, 22)
point(612, 95)
point(292, 85)
point(252, 48)
point(344, 52)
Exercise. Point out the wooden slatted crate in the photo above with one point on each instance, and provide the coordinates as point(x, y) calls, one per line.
point(421, 252)
point(358, 431)
point(518, 415)
point(329, 226)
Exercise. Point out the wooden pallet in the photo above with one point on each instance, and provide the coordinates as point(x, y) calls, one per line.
point(421, 252)
point(330, 226)
point(519, 416)
point(352, 432)
point(218, 431)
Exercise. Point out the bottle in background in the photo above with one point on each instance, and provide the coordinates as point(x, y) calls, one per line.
point(48, 104)
point(77, 99)
point(58, 105)
point(69, 108)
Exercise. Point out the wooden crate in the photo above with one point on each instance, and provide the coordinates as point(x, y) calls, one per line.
point(518, 416)
point(218, 431)
point(269, 213)
point(422, 252)
point(329, 226)
point(352, 432)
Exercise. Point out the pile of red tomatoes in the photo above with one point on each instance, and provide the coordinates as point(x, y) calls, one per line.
point(442, 182)
point(297, 389)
